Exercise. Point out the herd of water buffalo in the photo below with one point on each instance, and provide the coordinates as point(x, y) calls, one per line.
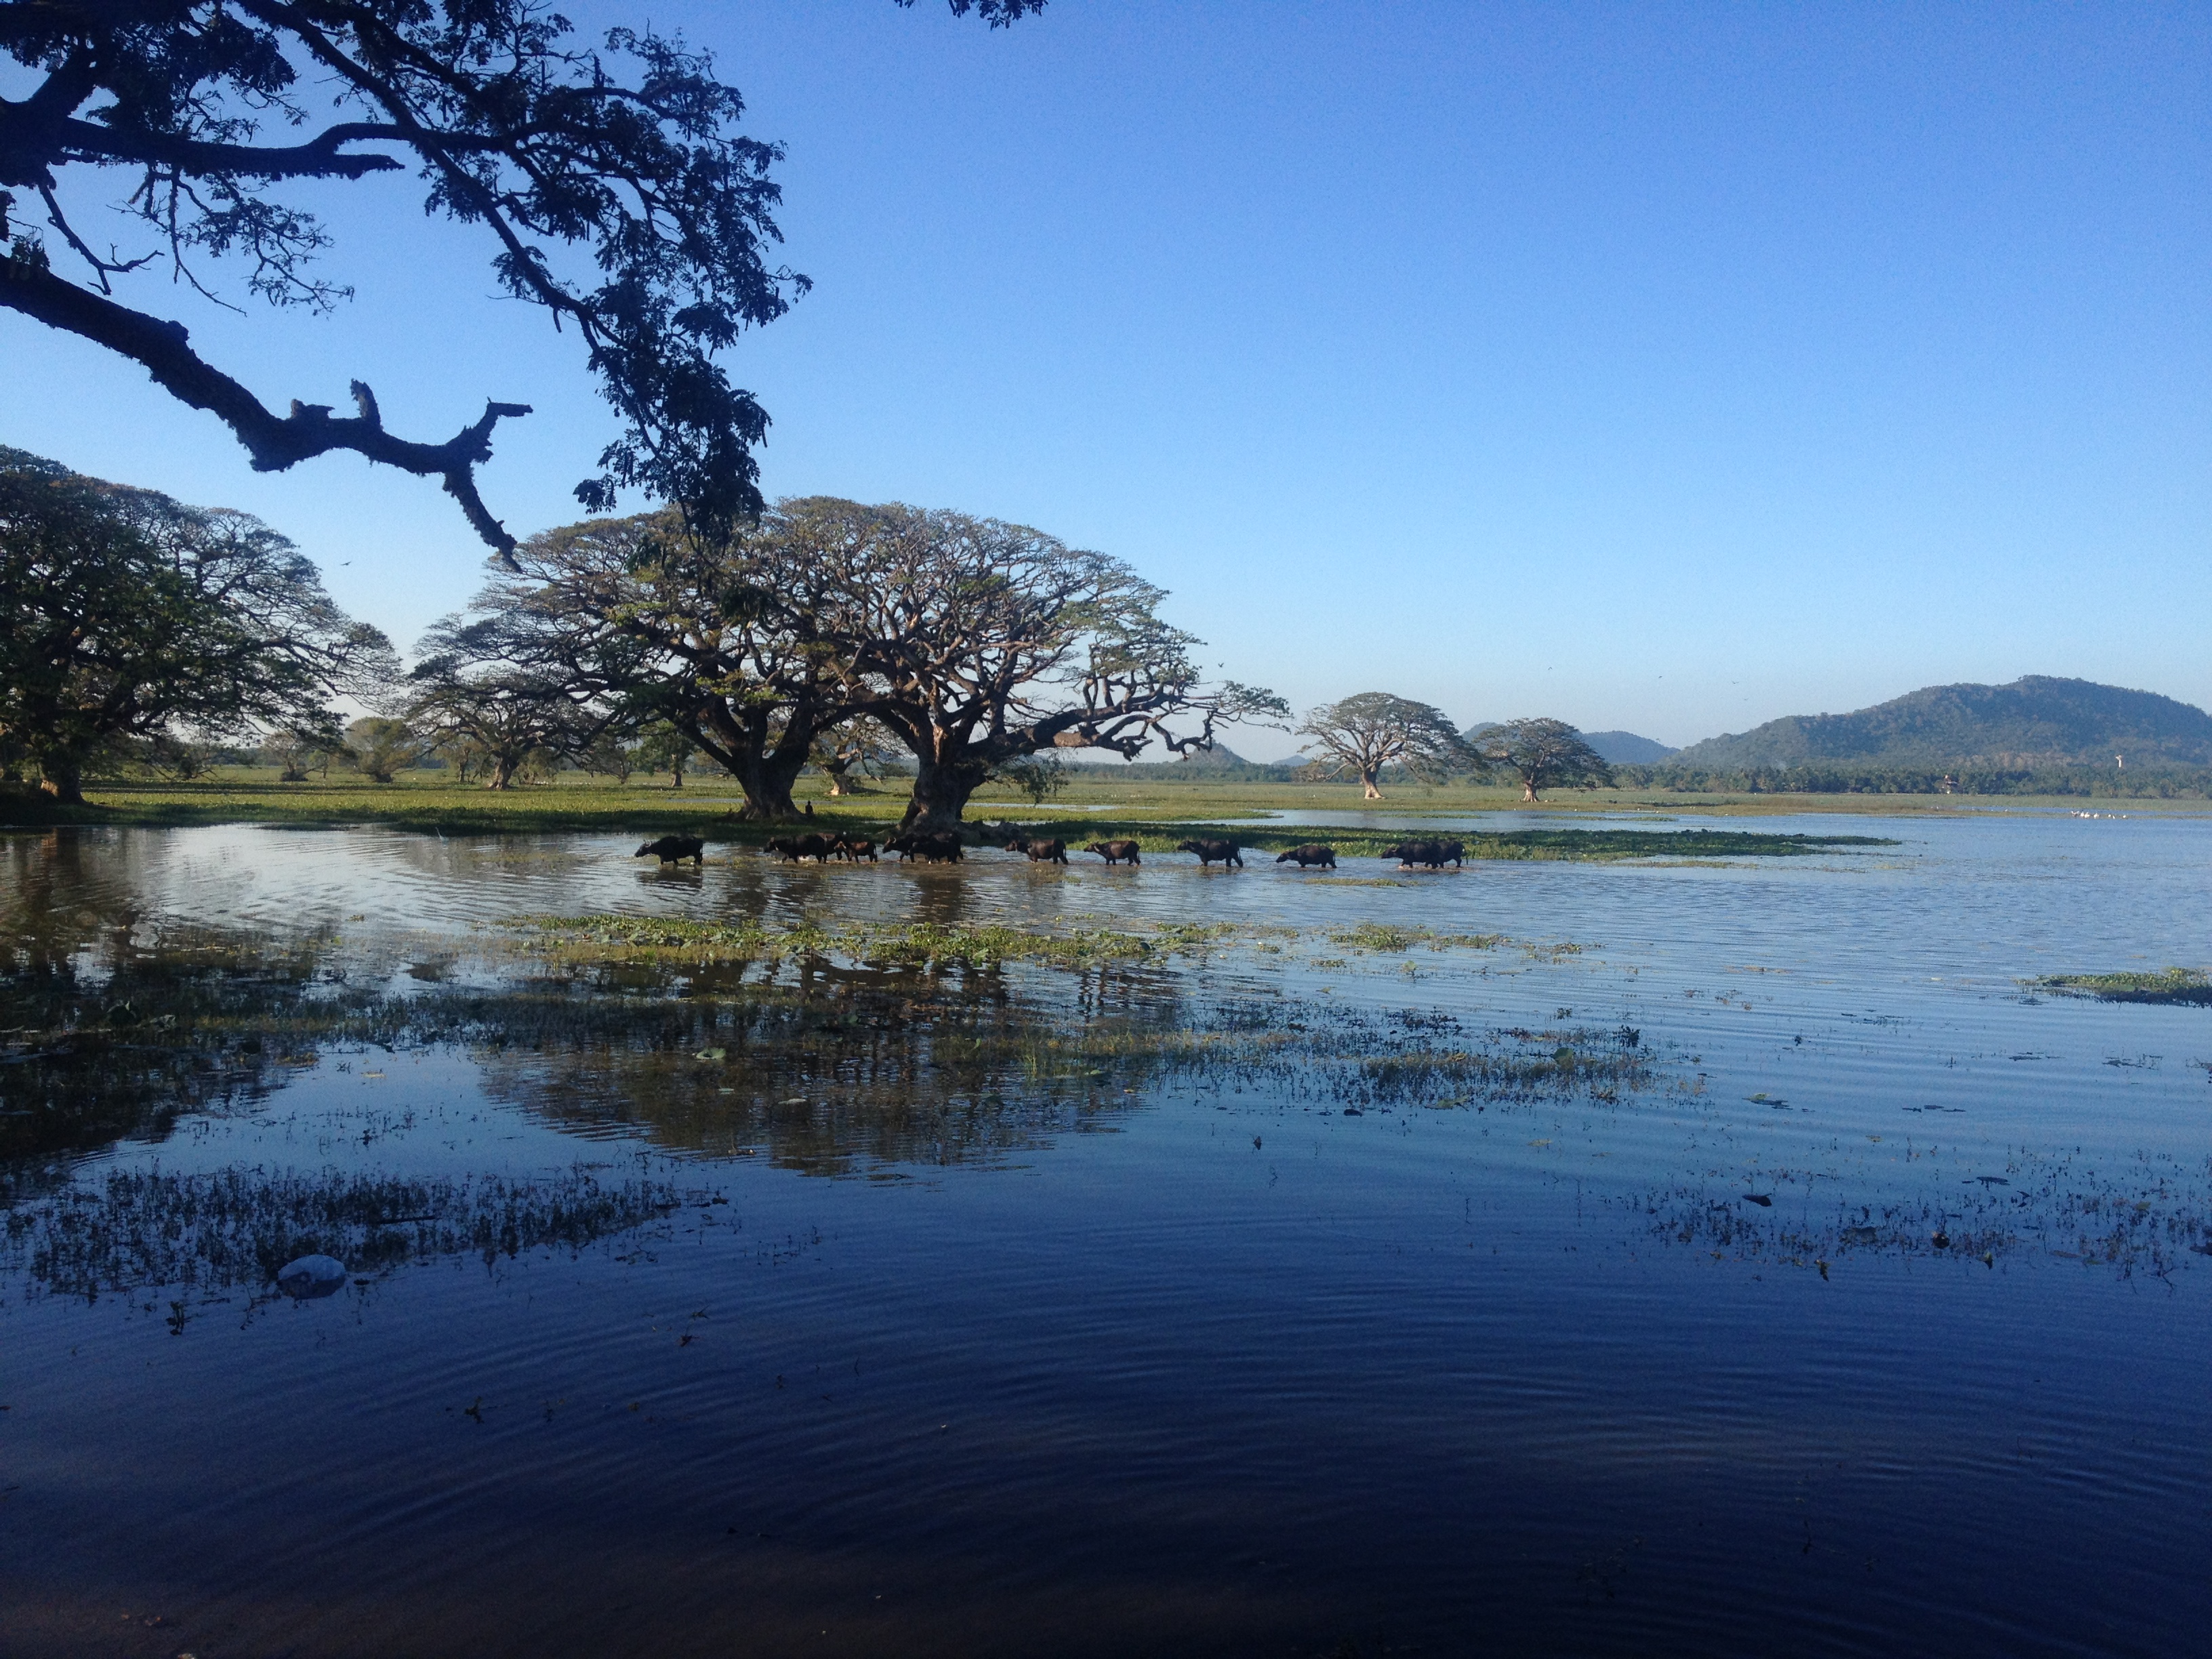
point(950, 849)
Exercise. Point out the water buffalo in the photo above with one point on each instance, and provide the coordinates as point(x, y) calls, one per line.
point(853, 849)
point(804, 846)
point(1116, 852)
point(674, 849)
point(1433, 853)
point(1209, 851)
point(930, 849)
point(1309, 854)
point(1040, 850)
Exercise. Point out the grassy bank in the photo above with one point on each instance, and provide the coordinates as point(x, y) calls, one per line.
point(1155, 816)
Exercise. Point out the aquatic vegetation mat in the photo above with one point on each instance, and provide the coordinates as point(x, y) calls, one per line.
point(2171, 985)
point(2145, 1216)
point(126, 1230)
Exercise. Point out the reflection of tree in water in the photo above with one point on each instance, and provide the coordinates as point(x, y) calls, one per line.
point(828, 1067)
point(120, 1039)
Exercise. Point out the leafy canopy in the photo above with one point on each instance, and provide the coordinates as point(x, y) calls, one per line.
point(1359, 736)
point(132, 615)
point(1543, 753)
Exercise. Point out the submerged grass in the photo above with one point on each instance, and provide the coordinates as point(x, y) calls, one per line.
point(914, 944)
point(126, 1230)
point(2171, 985)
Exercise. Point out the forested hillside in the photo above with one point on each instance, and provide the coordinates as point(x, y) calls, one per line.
point(2034, 722)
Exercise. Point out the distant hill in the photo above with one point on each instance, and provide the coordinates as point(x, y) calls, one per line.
point(1626, 749)
point(1615, 748)
point(2035, 720)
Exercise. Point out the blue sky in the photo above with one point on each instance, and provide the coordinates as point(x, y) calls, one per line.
point(1670, 368)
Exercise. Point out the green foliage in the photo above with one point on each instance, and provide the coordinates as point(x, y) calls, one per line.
point(381, 746)
point(1039, 777)
point(132, 617)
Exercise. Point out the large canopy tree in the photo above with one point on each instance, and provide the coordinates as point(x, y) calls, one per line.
point(717, 634)
point(972, 643)
point(1543, 753)
point(976, 642)
point(128, 615)
point(1359, 736)
point(611, 184)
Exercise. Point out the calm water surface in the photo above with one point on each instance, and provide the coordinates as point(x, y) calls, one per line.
point(1311, 1295)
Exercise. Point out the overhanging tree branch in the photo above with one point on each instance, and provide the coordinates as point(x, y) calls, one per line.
point(273, 442)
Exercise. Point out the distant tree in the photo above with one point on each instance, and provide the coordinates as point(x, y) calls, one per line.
point(1545, 754)
point(381, 746)
point(612, 754)
point(302, 748)
point(498, 695)
point(129, 615)
point(623, 162)
point(1360, 736)
point(1041, 777)
point(860, 748)
point(663, 748)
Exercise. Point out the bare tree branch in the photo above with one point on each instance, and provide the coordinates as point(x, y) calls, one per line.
point(275, 443)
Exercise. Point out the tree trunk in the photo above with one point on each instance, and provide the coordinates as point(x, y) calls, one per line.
point(941, 792)
point(1367, 787)
point(1529, 789)
point(61, 779)
point(675, 774)
point(836, 776)
point(503, 772)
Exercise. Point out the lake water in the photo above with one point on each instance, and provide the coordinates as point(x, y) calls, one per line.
point(1553, 1257)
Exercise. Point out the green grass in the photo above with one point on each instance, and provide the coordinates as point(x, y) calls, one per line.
point(1156, 815)
point(2170, 985)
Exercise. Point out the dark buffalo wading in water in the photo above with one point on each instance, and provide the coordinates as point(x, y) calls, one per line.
point(1308, 855)
point(1040, 850)
point(800, 847)
point(853, 849)
point(1116, 851)
point(929, 848)
point(1225, 852)
point(674, 849)
point(1433, 854)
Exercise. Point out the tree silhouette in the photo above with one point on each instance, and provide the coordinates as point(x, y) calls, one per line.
point(611, 184)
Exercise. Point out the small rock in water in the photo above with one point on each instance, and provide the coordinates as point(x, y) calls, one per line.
point(1763, 1201)
point(311, 1276)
